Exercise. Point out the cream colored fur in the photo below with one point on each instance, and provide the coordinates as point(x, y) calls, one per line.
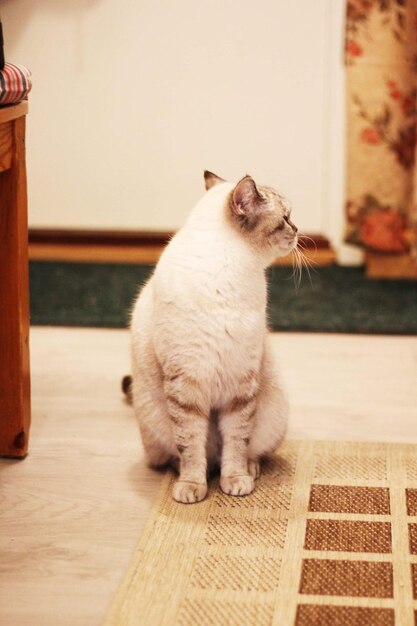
point(205, 390)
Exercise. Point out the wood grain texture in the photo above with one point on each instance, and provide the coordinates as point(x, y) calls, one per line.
point(71, 513)
point(14, 302)
point(6, 145)
point(70, 236)
point(135, 247)
point(390, 266)
point(13, 111)
point(88, 237)
point(94, 253)
point(108, 253)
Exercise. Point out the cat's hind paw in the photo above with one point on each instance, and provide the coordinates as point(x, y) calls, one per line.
point(237, 485)
point(254, 469)
point(189, 492)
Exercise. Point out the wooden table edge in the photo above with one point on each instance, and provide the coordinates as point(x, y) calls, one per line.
point(13, 111)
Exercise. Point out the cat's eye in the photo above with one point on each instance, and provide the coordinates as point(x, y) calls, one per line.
point(280, 226)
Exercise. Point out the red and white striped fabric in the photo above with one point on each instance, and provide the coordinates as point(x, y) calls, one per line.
point(15, 83)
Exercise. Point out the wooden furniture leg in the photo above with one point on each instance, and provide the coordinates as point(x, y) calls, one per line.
point(14, 288)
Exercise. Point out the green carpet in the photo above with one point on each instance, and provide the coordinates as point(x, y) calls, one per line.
point(339, 299)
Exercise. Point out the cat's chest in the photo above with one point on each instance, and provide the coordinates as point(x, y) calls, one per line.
point(218, 313)
point(236, 319)
point(238, 336)
point(236, 294)
point(237, 351)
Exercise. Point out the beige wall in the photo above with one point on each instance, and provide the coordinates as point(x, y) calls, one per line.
point(133, 99)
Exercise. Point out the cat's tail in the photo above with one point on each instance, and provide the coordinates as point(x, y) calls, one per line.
point(127, 387)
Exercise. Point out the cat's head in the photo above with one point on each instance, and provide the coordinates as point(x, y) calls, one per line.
point(260, 214)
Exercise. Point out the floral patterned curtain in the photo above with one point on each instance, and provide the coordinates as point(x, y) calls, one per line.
point(381, 64)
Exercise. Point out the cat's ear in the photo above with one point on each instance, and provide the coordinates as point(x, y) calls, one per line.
point(246, 200)
point(211, 179)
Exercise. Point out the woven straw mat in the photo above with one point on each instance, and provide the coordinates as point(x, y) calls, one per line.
point(328, 538)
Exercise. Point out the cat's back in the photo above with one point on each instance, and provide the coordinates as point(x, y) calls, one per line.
point(207, 256)
point(199, 244)
point(189, 254)
point(209, 296)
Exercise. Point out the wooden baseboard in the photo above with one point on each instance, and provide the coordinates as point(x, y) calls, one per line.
point(134, 247)
point(98, 237)
point(390, 266)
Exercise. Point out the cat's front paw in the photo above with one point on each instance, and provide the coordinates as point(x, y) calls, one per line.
point(237, 485)
point(188, 492)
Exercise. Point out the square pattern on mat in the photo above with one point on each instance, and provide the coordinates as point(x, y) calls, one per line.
point(328, 538)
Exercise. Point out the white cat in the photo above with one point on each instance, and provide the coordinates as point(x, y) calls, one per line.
point(204, 388)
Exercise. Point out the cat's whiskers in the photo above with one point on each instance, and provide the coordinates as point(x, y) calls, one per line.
point(297, 269)
point(303, 242)
point(301, 265)
point(293, 268)
point(305, 261)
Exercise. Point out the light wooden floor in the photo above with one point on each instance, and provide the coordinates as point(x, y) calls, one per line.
point(72, 512)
